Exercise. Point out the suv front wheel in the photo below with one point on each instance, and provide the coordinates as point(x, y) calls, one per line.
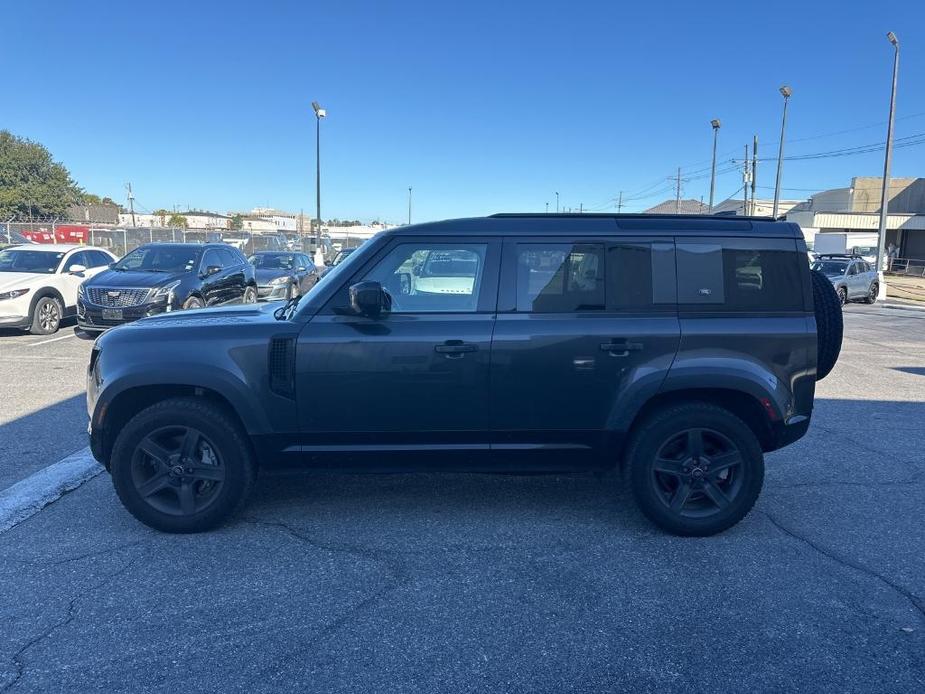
point(182, 465)
point(696, 469)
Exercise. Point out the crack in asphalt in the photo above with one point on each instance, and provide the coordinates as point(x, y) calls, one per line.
point(396, 571)
point(917, 604)
point(68, 560)
point(69, 616)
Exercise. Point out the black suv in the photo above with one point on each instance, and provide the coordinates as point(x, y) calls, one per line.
point(162, 277)
point(681, 348)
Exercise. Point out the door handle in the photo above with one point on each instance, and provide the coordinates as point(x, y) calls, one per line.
point(620, 348)
point(455, 349)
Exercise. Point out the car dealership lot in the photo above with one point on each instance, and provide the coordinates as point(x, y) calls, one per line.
point(475, 583)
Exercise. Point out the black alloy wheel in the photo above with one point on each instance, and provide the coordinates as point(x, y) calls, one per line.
point(697, 473)
point(696, 469)
point(177, 471)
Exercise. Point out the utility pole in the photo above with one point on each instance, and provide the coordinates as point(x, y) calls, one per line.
point(131, 202)
point(887, 161)
point(677, 197)
point(581, 208)
point(620, 202)
point(785, 92)
point(745, 178)
point(754, 170)
point(716, 125)
point(557, 202)
point(409, 204)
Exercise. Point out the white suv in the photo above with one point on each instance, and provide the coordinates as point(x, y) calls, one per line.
point(38, 283)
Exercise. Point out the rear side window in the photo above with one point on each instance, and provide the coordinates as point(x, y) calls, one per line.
point(560, 277)
point(641, 277)
point(735, 277)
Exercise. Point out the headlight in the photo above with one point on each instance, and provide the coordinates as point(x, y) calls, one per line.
point(13, 294)
point(164, 292)
point(280, 280)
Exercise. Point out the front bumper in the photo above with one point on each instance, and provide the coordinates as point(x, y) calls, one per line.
point(90, 316)
point(14, 321)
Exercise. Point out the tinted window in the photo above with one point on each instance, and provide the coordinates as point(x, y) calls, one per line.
point(212, 258)
point(98, 259)
point(737, 279)
point(229, 257)
point(427, 277)
point(830, 267)
point(560, 277)
point(640, 276)
point(273, 261)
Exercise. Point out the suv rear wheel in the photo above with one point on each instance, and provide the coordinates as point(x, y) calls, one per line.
point(829, 323)
point(182, 465)
point(696, 469)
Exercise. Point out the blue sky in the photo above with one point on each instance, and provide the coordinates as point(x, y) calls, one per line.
point(480, 106)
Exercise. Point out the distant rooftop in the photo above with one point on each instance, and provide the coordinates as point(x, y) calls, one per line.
point(686, 206)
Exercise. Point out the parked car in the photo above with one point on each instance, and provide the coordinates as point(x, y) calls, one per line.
point(340, 257)
point(162, 277)
point(680, 347)
point(282, 275)
point(852, 276)
point(39, 283)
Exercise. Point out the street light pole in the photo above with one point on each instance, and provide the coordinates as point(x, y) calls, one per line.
point(785, 92)
point(557, 203)
point(547, 208)
point(319, 114)
point(715, 123)
point(887, 162)
point(409, 204)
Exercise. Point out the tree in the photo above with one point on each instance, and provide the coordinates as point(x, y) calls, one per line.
point(161, 215)
point(31, 183)
point(178, 221)
point(236, 223)
point(91, 199)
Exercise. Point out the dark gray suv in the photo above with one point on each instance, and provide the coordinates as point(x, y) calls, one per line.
point(678, 348)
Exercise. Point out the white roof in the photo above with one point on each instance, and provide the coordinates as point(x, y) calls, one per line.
point(55, 247)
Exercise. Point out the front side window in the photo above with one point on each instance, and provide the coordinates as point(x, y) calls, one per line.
point(560, 277)
point(212, 259)
point(432, 277)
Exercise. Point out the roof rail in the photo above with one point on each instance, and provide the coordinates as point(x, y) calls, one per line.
point(637, 215)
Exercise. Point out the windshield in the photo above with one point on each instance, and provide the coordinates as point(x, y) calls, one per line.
point(160, 259)
point(45, 262)
point(830, 267)
point(272, 261)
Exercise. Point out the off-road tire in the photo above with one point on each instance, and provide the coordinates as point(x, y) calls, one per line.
point(223, 432)
point(648, 439)
point(829, 323)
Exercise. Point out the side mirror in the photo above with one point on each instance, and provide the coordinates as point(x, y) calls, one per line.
point(77, 269)
point(211, 270)
point(368, 299)
point(328, 263)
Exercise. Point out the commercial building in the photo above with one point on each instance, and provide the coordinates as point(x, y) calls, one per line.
point(856, 209)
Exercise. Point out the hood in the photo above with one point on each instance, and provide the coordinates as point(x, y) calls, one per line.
point(264, 275)
point(128, 278)
point(19, 280)
point(230, 315)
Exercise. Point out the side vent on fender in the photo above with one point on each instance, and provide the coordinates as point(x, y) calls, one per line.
point(282, 366)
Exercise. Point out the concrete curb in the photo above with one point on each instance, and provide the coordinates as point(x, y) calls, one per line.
point(29, 496)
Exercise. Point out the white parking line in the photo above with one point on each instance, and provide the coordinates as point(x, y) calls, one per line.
point(31, 495)
point(54, 339)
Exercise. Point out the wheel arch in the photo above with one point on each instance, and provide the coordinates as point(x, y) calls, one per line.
point(742, 404)
point(129, 402)
point(46, 291)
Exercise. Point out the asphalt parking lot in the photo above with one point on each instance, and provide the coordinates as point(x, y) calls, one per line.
point(412, 583)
